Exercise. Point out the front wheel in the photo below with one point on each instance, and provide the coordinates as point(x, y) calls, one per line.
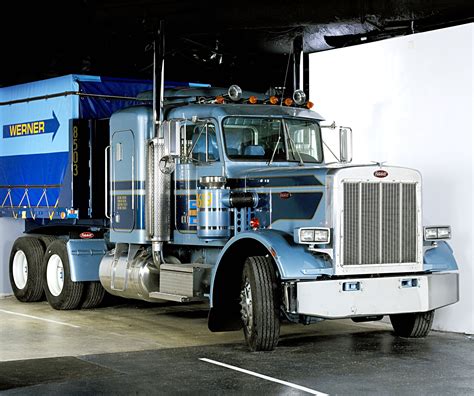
point(61, 292)
point(412, 325)
point(259, 304)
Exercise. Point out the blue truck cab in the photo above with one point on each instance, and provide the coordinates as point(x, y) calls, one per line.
point(229, 200)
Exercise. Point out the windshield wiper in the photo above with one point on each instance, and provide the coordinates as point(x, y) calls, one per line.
point(275, 149)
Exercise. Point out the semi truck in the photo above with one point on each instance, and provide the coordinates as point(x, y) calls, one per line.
point(230, 201)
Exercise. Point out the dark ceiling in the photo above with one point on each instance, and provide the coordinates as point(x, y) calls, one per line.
point(219, 42)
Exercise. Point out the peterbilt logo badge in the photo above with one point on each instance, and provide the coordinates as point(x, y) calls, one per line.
point(86, 235)
point(380, 173)
point(285, 195)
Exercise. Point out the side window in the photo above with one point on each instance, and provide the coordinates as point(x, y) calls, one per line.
point(201, 142)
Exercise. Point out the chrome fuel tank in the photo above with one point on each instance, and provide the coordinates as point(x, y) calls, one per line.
point(134, 277)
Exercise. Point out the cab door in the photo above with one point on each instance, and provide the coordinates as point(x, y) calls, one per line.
point(200, 156)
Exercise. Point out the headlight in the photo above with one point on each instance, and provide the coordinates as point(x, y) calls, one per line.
point(444, 232)
point(312, 236)
point(437, 233)
point(307, 235)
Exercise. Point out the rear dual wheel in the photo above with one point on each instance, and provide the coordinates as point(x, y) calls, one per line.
point(61, 292)
point(25, 269)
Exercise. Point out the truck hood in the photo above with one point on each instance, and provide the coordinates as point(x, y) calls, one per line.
point(298, 176)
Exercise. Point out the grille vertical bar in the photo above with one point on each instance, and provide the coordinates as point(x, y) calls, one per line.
point(379, 223)
point(409, 223)
point(370, 223)
point(351, 222)
point(391, 223)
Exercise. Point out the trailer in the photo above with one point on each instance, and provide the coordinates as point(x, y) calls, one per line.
point(226, 198)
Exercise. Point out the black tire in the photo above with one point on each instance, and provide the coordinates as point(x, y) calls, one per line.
point(93, 295)
point(47, 240)
point(412, 325)
point(260, 312)
point(25, 269)
point(69, 295)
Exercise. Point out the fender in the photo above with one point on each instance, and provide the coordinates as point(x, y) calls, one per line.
point(85, 256)
point(292, 261)
point(440, 258)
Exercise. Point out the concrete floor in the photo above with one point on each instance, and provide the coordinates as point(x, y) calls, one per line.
point(138, 348)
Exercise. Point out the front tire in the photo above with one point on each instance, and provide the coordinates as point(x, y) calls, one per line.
point(61, 292)
point(25, 269)
point(412, 325)
point(259, 304)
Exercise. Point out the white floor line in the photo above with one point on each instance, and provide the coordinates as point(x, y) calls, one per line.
point(265, 377)
point(37, 318)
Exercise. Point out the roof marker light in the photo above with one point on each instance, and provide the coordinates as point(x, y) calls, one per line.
point(288, 102)
point(253, 99)
point(220, 99)
point(235, 93)
point(309, 105)
point(273, 100)
point(299, 97)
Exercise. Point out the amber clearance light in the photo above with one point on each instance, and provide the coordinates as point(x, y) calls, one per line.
point(220, 100)
point(288, 102)
point(253, 99)
point(273, 100)
point(309, 105)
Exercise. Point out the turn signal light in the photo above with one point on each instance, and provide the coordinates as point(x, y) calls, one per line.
point(288, 101)
point(273, 100)
point(309, 105)
point(220, 100)
point(253, 99)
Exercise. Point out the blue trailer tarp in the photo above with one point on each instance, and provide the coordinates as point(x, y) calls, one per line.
point(35, 142)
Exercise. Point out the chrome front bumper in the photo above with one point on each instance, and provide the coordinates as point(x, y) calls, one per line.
point(345, 298)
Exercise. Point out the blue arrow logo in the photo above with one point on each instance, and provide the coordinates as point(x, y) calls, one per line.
point(40, 127)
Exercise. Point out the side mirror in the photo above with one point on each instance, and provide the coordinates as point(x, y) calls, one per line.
point(345, 144)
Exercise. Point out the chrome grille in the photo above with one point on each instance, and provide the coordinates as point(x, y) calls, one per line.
point(379, 223)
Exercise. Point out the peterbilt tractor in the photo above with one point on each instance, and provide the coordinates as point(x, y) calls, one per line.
point(228, 198)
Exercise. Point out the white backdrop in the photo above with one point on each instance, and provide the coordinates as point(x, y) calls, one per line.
point(10, 229)
point(410, 102)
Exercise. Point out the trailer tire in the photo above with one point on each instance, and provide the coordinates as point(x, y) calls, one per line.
point(25, 269)
point(93, 295)
point(412, 325)
point(259, 304)
point(61, 292)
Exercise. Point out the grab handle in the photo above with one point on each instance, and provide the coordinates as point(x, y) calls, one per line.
point(107, 150)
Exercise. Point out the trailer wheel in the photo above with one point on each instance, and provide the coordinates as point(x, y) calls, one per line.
point(25, 269)
point(412, 325)
point(259, 304)
point(61, 292)
point(93, 295)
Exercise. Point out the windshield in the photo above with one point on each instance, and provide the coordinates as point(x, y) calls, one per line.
point(272, 139)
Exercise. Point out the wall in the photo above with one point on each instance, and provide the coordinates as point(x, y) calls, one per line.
point(410, 102)
point(10, 229)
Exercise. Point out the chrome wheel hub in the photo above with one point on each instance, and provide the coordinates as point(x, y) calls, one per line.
point(246, 306)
